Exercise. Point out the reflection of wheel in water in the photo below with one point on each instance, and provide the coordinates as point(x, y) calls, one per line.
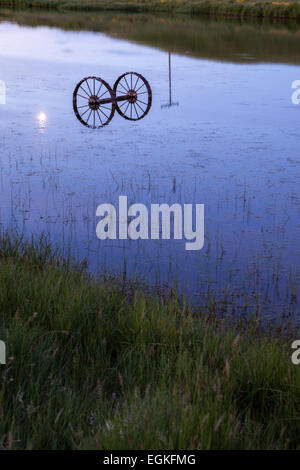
point(139, 96)
point(94, 102)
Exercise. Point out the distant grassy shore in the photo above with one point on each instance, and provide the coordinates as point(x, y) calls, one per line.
point(227, 8)
point(219, 39)
point(101, 364)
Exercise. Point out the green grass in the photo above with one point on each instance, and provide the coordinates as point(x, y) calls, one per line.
point(102, 364)
point(228, 8)
point(222, 39)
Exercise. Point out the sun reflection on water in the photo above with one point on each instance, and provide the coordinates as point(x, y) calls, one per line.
point(42, 120)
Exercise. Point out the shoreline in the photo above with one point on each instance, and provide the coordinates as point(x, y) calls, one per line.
point(88, 361)
point(220, 39)
point(240, 9)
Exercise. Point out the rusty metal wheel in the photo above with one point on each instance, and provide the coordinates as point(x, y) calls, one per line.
point(94, 102)
point(140, 96)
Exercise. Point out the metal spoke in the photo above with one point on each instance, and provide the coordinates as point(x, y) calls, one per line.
point(87, 82)
point(127, 83)
point(105, 107)
point(82, 96)
point(99, 89)
point(89, 116)
point(106, 91)
point(142, 102)
point(85, 112)
point(140, 107)
point(103, 112)
point(122, 93)
point(143, 84)
point(124, 88)
point(126, 108)
point(136, 82)
point(135, 110)
point(84, 91)
point(99, 117)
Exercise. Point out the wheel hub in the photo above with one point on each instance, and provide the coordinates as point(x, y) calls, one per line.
point(94, 102)
point(132, 96)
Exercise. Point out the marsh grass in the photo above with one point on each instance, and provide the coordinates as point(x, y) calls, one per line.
point(228, 8)
point(222, 39)
point(102, 364)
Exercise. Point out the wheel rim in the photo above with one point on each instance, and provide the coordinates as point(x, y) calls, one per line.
point(139, 103)
point(87, 105)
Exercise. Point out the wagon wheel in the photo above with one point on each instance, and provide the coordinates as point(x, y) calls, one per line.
point(140, 99)
point(93, 102)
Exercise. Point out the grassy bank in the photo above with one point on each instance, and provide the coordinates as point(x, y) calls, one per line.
point(227, 8)
point(226, 40)
point(100, 364)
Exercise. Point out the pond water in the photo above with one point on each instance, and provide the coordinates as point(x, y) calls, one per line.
point(229, 141)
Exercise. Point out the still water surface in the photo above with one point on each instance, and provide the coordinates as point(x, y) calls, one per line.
point(230, 141)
